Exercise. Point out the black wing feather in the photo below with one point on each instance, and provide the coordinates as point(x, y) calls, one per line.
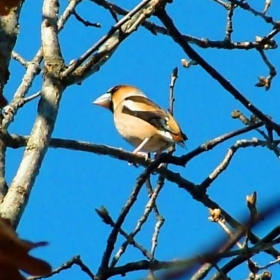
point(157, 118)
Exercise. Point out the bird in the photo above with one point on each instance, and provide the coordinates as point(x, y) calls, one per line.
point(140, 121)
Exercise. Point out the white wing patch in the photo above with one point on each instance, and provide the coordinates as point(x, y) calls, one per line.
point(132, 105)
point(166, 135)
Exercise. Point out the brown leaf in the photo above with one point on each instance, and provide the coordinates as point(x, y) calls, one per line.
point(10, 273)
point(14, 254)
point(7, 5)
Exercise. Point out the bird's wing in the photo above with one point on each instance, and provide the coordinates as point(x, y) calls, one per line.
point(146, 110)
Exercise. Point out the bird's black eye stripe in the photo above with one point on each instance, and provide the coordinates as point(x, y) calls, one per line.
point(111, 106)
point(113, 89)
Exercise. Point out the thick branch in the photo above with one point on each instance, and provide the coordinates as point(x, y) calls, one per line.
point(33, 69)
point(16, 199)
point(8, 36)
point(91, 61)
point(201, 42)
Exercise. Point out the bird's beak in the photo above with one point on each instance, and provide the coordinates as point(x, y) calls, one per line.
point(103, 100)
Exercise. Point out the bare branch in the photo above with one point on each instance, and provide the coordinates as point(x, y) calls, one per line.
point(223, 4)
point(266, 82)
point(183, 267)
point(17, 141)
point(16, 56)
point(229, 28)
point(264, 244)
point(201, 42)
point(75, 260)
point(31, 97)
point(85, 22)
point(16, 199)
point(148, 209)
point(113, 235)
point(109, 6)
point(96, 46)
point(102, 50)
point(266, 6)
point(246, 121)
point(177, 37)
point(160, 219)
point(33, 69)
point(229, 155)
point(245, 6)
point(130, 240)
point(3, 183)
point(174, 77)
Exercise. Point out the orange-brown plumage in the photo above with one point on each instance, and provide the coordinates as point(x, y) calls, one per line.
point(140, 121)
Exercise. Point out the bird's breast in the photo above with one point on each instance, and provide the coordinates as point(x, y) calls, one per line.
point(135, 131)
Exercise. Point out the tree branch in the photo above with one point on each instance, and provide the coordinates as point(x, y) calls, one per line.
point(177, 37)
point(229, 155)
point(16, 199)
point(102, 50)
point(67, 265)
point(33, 69)
point(200, 42)
point(101, 274)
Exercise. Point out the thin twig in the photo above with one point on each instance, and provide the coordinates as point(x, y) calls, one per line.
point(223, 4)
point(160, 219)
point(16, 56)
point(75, 260)
point(245, 5)
point(185, 267)
point(174, 77)
point(266, 6)
point(125, 210)
point(246, 121)
point(269, 264)
point(107, 219)
point(229, 155)
point(202, 43)
point(177, 37)
point(209, 145)
point(101, 52)
point(31, 97)
point(95, 47)
point(20, 103)
point(229, 28)
point(85, 22)
point(264, 244)
point(160, 182)
point(34, 69)
point(266, 82)
point(148, 209)
point(108, 6)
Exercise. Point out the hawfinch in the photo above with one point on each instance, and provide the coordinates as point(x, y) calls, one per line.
point(140, 121)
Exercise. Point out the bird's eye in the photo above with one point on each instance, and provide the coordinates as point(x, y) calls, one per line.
point(113, 89)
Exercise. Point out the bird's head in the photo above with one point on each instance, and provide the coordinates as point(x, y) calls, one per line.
point(111, 99)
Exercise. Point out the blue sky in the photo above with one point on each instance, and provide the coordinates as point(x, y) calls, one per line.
point(72, 184)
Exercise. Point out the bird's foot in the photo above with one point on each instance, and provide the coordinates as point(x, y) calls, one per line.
point(142, 154)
